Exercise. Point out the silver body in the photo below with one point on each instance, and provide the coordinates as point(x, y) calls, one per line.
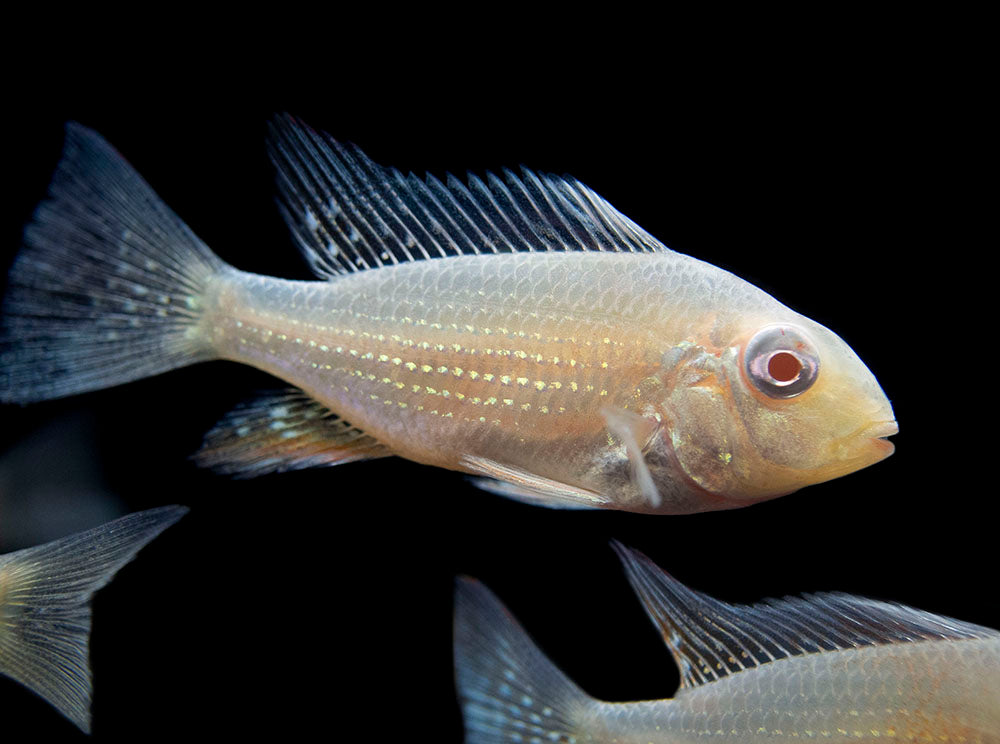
point(942, 691)
point(506, 357)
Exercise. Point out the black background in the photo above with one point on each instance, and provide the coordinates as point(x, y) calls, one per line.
point(844, 178)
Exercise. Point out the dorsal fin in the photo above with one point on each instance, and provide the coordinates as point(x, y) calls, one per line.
point(348, 213)
point(710, 639)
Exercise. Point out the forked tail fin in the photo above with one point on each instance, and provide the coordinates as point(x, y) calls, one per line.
point(45, 596)
point(109, 285)
point(509, 690)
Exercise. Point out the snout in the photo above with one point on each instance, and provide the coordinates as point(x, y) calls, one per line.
point(867, 445)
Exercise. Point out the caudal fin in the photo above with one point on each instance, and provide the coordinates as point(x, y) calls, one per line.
point(109, 284)
point(45, 596)
point(507, 688)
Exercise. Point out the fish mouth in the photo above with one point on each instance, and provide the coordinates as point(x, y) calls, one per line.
point(880, 430)
point(874, 438)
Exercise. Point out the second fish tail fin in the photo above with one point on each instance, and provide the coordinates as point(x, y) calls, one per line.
point(45, 596)
point(109, 286)
point(508, 689)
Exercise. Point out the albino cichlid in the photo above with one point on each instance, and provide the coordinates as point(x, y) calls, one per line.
point(518, 329)
point(45, 596)
point(830, 667)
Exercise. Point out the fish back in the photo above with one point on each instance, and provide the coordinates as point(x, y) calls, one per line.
point(831, 666)
point(927, 690)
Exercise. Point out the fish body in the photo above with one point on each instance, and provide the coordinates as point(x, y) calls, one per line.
point(45, 594)
point(830, 667)
point(523, 332)
point(937, 691)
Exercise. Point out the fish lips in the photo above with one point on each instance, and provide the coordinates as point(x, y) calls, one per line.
point(872, 442)
point(860, 449)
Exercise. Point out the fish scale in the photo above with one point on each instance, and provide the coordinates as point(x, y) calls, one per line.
point(853, 695)
point(520, 329)
point(538, 376)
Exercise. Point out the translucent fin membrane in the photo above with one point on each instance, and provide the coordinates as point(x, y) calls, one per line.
point(518, 484)
point(509, 691)
point(283, 430)
point(108, 285)
point(45, 596)
point(348, 213)
point(710, 639)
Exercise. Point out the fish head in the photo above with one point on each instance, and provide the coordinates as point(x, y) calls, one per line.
point(778, 406)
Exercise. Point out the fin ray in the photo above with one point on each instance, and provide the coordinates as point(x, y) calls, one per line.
point(45, 596)
point(634, 431)
point(283, 430)
point(711, 639)
point(348, 213)
point(506, 686)
point(514, 483)
point(108, 285)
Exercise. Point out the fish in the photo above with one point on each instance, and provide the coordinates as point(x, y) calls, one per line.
point(517, 328)
point(830, 667)
point(45, 613)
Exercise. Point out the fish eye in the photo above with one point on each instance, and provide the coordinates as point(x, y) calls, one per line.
point(780, 361)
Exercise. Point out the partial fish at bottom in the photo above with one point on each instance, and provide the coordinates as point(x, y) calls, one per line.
point(829, 667)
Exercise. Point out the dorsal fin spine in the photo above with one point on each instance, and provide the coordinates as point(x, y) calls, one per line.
point(351, 214)
point(364, 232)
point(380, 182)
point(477, 185)
point(293, 205)
point(489, 218)
point(562, 193)
point(323, 169)
point(567, 234)
point(377, 183)
point(542, 223)
point(439, 196)
point(487, 230)
point(435, 229)
point(359, 205)
point(581, 197)
point(422, 229)
point(527, 229)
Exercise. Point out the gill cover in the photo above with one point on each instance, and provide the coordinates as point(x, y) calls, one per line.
point(791, 406)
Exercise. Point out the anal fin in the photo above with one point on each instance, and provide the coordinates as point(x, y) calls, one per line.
point(283, 430)
point(518, 484)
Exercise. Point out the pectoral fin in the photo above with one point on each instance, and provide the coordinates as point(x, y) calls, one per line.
point(514, 483)
point(284, 430)
point(633, 431)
